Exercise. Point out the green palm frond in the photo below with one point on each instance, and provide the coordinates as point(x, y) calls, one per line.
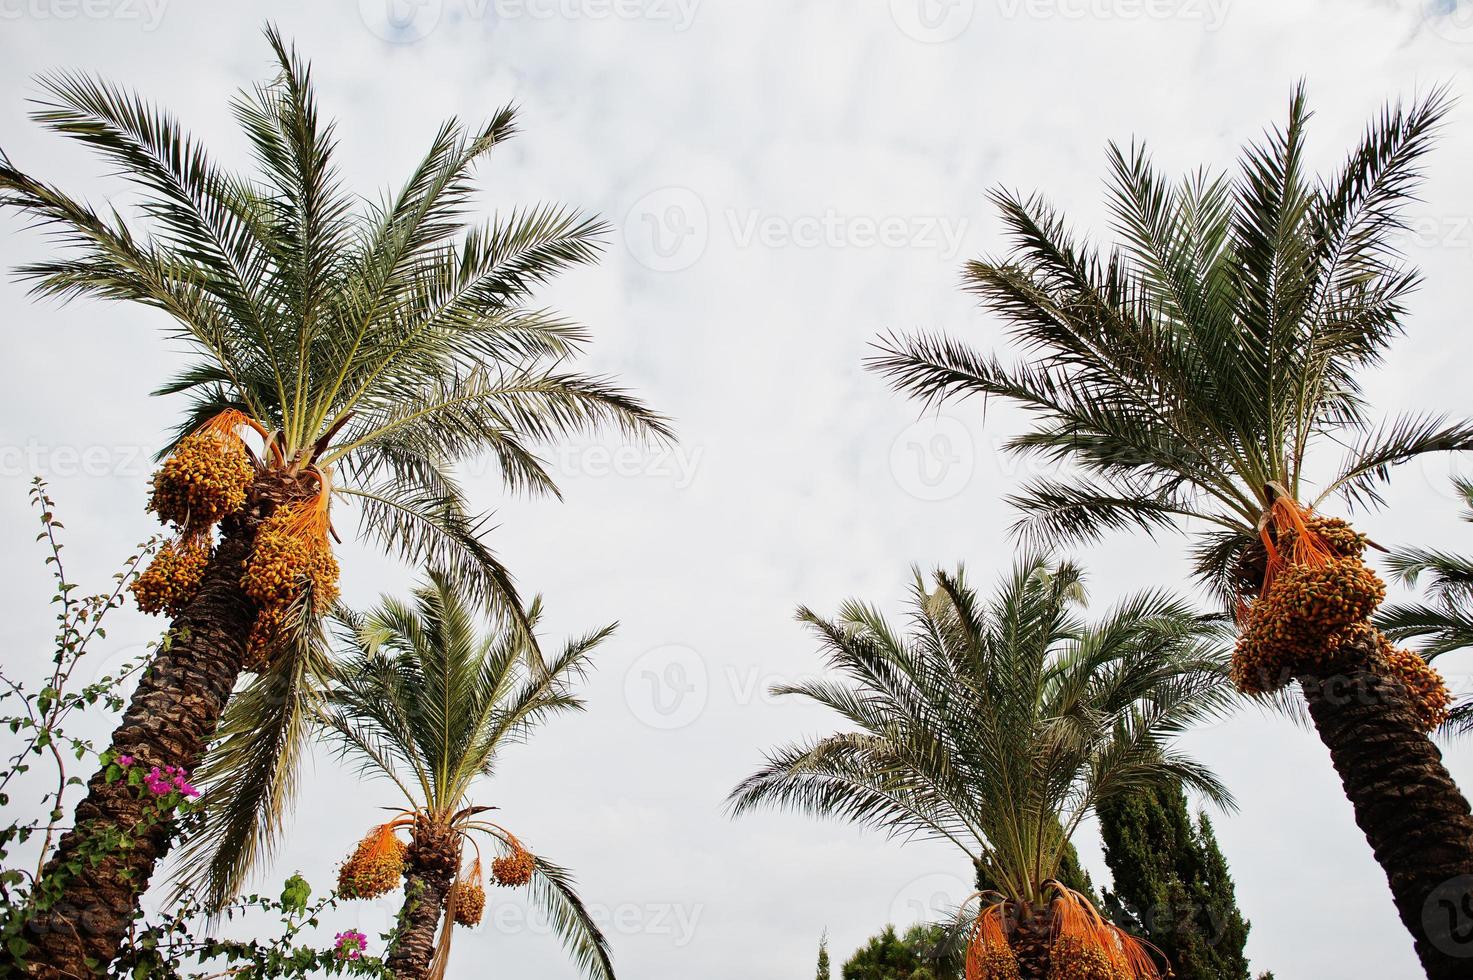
point(251, 774)
point(995, 721)
point(430, 702)
point(358, 331)
point(552, 889)
point(1444, 623)
point(1209, 352)
point(383, 338)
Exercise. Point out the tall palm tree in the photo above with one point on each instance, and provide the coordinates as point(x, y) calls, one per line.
point(369, 344)
point(1193, 376)
point(997, 724)
point(1443, 623)
point(430, 704)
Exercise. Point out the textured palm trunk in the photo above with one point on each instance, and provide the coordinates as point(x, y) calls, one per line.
point(1030, 941)
point(430, 867)
point(82, 917)
point(1411, 811)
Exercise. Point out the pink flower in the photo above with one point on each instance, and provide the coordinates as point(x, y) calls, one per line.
point(125, 761)
point(170, 779)
point(350, 944)
point(158, 784)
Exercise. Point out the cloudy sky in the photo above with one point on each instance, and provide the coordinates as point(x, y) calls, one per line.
point(787, 178)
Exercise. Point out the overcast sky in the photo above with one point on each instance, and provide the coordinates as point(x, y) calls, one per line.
point(786, 179)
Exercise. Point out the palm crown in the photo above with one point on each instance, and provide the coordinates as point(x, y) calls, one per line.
point(998, 723)
point(429, 704)
point(375, 342)
point(1193, 369)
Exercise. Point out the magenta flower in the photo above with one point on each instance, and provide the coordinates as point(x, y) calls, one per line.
point(125, 761)
point(350, 944)
point(158, 784)
point(170, 779)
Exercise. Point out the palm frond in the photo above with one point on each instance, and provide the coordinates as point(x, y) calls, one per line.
point(250, 777)
point(995, 721)
point(552, 888)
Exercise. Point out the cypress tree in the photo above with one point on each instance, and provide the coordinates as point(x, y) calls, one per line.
point(823, 956)
point(925, 952)
point(1171, 884)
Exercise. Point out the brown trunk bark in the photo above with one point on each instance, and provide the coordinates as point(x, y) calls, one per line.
point(430, 868)
point(1412, 813)
point(84, 908)
point(1030, 938)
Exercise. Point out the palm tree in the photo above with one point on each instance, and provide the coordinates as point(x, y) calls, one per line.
point(1194, 373)
point(1444, 623)
point(998, 724)
point(370, 345)
point(429, 704)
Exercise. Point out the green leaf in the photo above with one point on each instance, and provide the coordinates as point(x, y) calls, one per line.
point(295, 894)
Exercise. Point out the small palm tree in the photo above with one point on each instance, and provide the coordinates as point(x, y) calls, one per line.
point(1193, 376)
point(998, 724)
point(1444, 623)
point(429, 704)
point(368, 345)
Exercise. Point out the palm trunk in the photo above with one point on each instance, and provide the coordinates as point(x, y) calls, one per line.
point(431, 865)
point(82, 909)
point(1412, 813)
point(1030, 937)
